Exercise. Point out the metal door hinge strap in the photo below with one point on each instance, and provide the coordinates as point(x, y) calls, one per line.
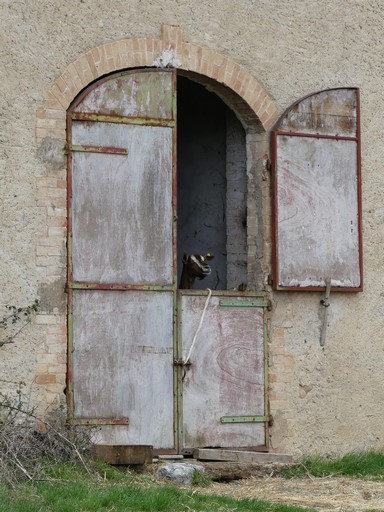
point(143, 121)
point(89, 422)
point(95, 149)
point(105, 286)
point(244, 419)
point(256, 303)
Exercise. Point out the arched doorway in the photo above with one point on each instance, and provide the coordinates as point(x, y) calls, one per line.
point(211, 184)
point(130, 327)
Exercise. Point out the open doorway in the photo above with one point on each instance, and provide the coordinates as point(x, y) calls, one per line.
point(211, 195)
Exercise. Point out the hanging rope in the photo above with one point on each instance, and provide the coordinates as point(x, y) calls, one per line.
point(199, 327)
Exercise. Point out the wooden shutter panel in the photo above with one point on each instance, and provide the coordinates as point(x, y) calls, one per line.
point(317, 193)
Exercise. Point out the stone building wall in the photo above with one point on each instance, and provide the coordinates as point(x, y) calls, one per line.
point(270, 54)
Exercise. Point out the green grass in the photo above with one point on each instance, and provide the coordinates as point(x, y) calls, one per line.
point(368, 465)
point(69, 488)
point(72, 490)
point(122, 498)
point(201, 479)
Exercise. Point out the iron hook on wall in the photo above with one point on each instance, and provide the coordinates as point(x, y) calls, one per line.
point(325, 303)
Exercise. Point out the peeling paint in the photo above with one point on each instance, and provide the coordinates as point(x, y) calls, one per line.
point(52, 296)
point(167, 59)
point(51, 153)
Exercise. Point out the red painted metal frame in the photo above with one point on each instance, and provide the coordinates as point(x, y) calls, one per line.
point(73, 285)
point(275, 133)
point(70, 401)
point(176, 370)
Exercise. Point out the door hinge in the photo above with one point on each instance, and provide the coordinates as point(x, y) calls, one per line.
point(244, 419)
point(245, 303)
point(90, 422)
point(95, 149)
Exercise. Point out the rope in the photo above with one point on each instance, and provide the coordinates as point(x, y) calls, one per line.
point(199, 327)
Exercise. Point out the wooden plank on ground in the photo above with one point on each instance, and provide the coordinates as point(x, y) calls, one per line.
point(123, 454)
point(241, 456)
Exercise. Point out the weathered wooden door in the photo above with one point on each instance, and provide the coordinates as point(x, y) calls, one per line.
point(126, 348)
point(224, 386)
point(121, 275)
point(317, 193)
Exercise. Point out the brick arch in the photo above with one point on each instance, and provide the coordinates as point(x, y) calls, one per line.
point(245, 95)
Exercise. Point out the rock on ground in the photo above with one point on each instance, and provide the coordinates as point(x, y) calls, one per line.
point(179, 472)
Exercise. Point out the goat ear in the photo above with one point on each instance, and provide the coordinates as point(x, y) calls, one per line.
point(209, 256)
point(185, 258)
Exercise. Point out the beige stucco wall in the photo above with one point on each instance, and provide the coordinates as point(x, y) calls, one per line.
point(323, 400)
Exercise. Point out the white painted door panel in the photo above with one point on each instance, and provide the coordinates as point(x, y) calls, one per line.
point(121, 208)
point(226, 377)
point(123, 354)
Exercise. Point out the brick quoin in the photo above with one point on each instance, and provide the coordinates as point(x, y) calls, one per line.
point(251, 102)
point(45, 379)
